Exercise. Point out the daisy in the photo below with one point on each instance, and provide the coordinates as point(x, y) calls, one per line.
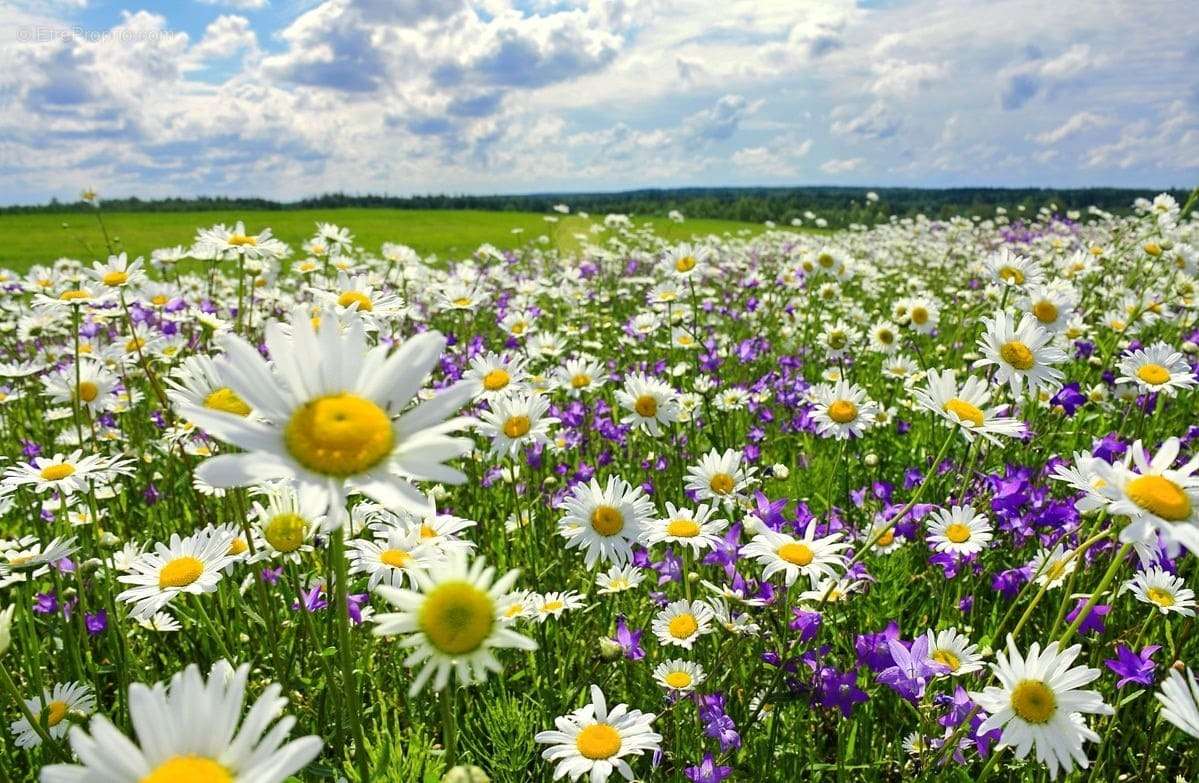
point(160, 622)
point(330, 410)
point(1083, 477)
point(593, 742)
point(884, 337)
point(220, 243)
point(605, 522)
point(922, 314)
point(1162, 589)
point(66, 474)
point(515, 422)
point(189, 730)
point(684, 260)
point(649, 402)
point(1158, 368)
point(580, 375)
point(31, 555)
point(618, 579)
point(118, 272)
point(695, 529)
point(1050, 567)
point(1013, 269)
point(288, 522)
point(356, 293)
point(197, 382)
point(518, 323)
point(739, 624)
point(184, 565)
point(392, 556)
point(1020, 353)
point(842, 410)
point(953, 650)
point(682, 622)
point(720, 477)
point(451, 622)
point(1051, 305)
point(51, 710)
point(1035, 703)
point(960, 530)
point(554, 604)
point(888, 540)
point(492, 375)
point(1179, 698)
point(965, 406)
point(815, 558)
point(1157, 498)
point(93, 390)
point(679, 676)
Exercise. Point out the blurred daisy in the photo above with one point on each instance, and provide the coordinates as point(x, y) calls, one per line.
point(682, 622)
point(287, 523)
point(593, 742)
point(1158, 368)
point(66, 474)
point(581, 375)
point(1050, 567)
point(1179, 697)
point(679, 676)
point(814, 558)
point(1020, 353)
point(1013, 269)
point(160, 622)
point(93, 391)
point(51, 710)
point(959, 529)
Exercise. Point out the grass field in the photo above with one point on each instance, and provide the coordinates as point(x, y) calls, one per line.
point(42, 238)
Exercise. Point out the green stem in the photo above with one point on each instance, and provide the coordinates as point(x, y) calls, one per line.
point(1104, 583)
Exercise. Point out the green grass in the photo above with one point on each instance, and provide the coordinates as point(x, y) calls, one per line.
point(43, 238)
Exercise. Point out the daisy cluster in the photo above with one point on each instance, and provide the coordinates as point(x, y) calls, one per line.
point(919, 500)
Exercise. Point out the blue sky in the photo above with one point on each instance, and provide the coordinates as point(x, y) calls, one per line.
point(288, 98)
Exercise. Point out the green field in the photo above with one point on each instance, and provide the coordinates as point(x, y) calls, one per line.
point(43, 238)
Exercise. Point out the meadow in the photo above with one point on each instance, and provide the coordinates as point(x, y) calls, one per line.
point(397, 496)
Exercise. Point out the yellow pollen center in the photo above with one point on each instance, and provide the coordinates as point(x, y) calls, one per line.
point(1017, 354)
point(552, 606)
point(180, 572)
point(1055, 570)
point(159, 299)
point(115, 278)
point(958, 533)
point(236, 547)
point(683, 626)
point(188, 769)
point(721, 483)
point(826, 260)
point(496, 379)
point(225, 399)
point(285, 532)
point(842, 411)
point(73, 296)
point(580, 381)
point(516, 427)
point(1159, 596)
point(88, 391)
point(598, 741)
point(396, 558)
point(683, 528)
point(55, 712)
point(457, 617)
point(678, 680)
point(1033, 701)
point(1160, 496)
point(1045, 311)
point(57, 472)
point(796, 553)
point(886, 539)
point(241, 240)
point(462, 301)
point(1153, 374)
point(1012, 275)
point(886, 336)
point(134, 344)
point(427, 531)
point(356, 298)
point(919, 316)
point(946, 658)
point(685, 264)
point(965, 411)
point(339, 435)
point(646, 405)
point(607, 521)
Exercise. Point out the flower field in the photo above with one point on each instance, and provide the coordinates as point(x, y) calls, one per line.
point(915, 501)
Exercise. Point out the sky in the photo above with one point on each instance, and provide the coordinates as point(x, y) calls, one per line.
point(290, 98)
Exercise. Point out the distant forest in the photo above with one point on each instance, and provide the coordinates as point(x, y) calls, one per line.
point(840, 206)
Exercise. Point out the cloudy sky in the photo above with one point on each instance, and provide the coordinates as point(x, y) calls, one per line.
point(286, 98)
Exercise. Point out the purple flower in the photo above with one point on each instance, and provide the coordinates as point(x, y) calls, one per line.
point(873, 649)
point(707, 771)
point(1070, 398)
point(96, 622)
point(807, 623)
point(45, 603)
point(912, 670)
point(839, 690)
point(629, 640)
point(1093, 622)
point(1133, 667)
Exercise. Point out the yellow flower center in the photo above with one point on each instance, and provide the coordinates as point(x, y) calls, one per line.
point(57, 472)
point(73, 296)
point(842, 411)
point(946, 658)
point(518, 328)
point(646, 405)
point(1153, 249)
point(241, 240)
point(285, 532)
point(1055, 569)
point(225, 399)
point(796, 553)
point(919, 316)
point(685, 264)
point(1045, 311)
point(721, 483)
point(552, 606)
point(427, 531)
point(356, 298)
point(159, 299)
point(496, 379)
point(580, 381)
point(1033, 701)
point(188, 769)
point(339, 435)
point(1161, 597)
point(516, 427)
point(396, 558)
point(236, 547)
point(88, 391)
point(1160, 496)
point(598, 741)
point(1153, 374)
point(1012, 275)
point(1017, 354)
point(826, 260)
point(55, 711)
point(886, 336)
point(134, 344)
point(678, 680)
point(683, 528)
point(886, 539)
point(683, 626)
point(462, 301)
point(115, 278)
point(965, 411)
point(958, 533)
point(607, 521)
point(838, 340)
point(457, 617)
point(180, 572)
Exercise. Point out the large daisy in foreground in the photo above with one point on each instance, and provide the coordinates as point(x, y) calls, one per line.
point(333, 414)
point(594, 740)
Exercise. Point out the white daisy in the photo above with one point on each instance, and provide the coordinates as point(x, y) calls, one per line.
point(679, 676)
point(52, 709)
point(965, 406)
point(1179, 698)
point(605, 522)
point(1157, 498)
point(1051, 566)
point(619, 578)
point(594, 742)
point(491, 375)
point(682, 622)
point(184, 565)
point(953, 650)
point(515, 421)
point(720, 477)
point(814, 558)
point(393, 556)
point(1163, 590)
point(1158, 368)
point(650, 403)
point(959, 529)
point(695, 529)
point(1020, 353)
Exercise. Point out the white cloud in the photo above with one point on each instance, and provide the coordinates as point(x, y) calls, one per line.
point(841, 165)
point(240, 5)
point(1082, 121)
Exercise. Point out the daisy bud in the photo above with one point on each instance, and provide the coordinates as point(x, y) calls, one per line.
point(550, 481)
point(871, 460)
point(466, 774)
point(1189, 347)
point(6, 628)
point(609, 649)
point(780, 471)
